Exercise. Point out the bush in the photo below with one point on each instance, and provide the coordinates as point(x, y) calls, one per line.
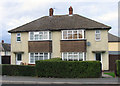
point(118, 67)
point(18, 70)
point(68, 69)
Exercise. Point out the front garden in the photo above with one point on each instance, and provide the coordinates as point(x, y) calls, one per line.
point(56, 68)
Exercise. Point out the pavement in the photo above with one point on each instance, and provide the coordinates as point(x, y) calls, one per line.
point(36, 80)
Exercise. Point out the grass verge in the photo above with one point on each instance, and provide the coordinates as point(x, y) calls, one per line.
point(111, 74)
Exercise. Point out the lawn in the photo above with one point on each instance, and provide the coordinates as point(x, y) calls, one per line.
point(111, 74)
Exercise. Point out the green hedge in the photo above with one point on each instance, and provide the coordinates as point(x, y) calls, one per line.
point(118, 67)
point(18, 70)
point(68, 69)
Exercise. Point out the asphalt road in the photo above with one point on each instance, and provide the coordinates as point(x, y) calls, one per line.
point(56, 85)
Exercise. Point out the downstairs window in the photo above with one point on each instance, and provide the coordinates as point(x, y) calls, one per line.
point(80, 56)
point(38, 56)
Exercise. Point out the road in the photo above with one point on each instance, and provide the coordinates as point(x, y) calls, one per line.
point(57, 85)
point(37, 81)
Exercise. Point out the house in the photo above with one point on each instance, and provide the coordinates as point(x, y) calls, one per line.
point(114, 50)
point(70, 37)
point(5, 53)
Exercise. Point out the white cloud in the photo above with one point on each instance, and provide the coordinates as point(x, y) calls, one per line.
point(108, 16)
point(13, 23)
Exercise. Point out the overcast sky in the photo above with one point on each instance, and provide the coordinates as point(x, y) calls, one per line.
point(14, 13)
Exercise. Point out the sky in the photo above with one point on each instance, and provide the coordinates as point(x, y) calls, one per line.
point(14, 13)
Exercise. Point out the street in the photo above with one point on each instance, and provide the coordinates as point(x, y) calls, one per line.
point(57, 85)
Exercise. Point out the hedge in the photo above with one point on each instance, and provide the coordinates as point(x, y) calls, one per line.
point(18, 70)
point(68, 69)
point(118, 67)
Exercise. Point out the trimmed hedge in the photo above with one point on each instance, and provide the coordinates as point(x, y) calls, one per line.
point(68, 69)
point(118, 67)
point(18, 70)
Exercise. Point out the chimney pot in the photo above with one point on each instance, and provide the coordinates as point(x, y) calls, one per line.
point(70, 10)
point(51, 12)
point(2, 41)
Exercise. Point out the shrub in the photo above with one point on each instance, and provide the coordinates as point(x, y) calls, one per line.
point(118, 67)
point(18, 70)
point(68, 69)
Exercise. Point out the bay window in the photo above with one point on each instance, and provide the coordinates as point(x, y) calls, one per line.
point(72, 34)
point(80, 56)
point(38, 56)
point(41, 35)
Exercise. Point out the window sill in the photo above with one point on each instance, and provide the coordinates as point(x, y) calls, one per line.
point(73, 39)
point(40, 40)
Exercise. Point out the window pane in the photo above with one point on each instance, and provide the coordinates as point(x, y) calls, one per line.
point(97, 36)
point(49, 35)
point(18, 34)
point(97, 31)
point(45, 36)
point(36, 37)
point(80, 34)
point(65, 55)
point(41, 32)
point(64, 34)
point(19, 57)
point(69, 36)
point(74, 34)
point(41, 56)
point(45, 55)
point(18, 39)
point(69, 32)
point(41, 37)
point(31, 35)
point(81, 56)
point(36, 56)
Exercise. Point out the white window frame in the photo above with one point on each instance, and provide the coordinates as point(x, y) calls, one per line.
point(17, 37)
point(83, 37)
point(78, 53)
point(97, 34)
point(38, 56)
point(48, 36)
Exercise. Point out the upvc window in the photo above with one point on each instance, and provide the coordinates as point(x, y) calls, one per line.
point(80, 56)
point(41, 35)
point(97, 35)
point(72, 34)
point(38, 56)
point(18, 37)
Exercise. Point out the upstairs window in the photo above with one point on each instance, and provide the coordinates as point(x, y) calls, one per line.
point(18, 37)
point(97, 35)
point(41, 35)
point(72, 34)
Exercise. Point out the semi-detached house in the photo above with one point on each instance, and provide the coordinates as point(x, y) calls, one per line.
point(70, 37)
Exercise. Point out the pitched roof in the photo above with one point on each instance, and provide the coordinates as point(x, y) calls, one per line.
point(5, 47)
point(60, 22)
point(113, 38)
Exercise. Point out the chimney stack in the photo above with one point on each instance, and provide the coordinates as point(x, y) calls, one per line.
point(2, 41)
point(51, 12)
point(70, 10)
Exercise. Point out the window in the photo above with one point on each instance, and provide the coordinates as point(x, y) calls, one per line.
point(97, 35)
point(41, 35)
point(18, 37)
point(72, 34)
point(73, 56)
point(38, 56)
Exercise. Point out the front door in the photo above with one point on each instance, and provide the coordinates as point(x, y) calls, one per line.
point(98, 57)
point(18, 58)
